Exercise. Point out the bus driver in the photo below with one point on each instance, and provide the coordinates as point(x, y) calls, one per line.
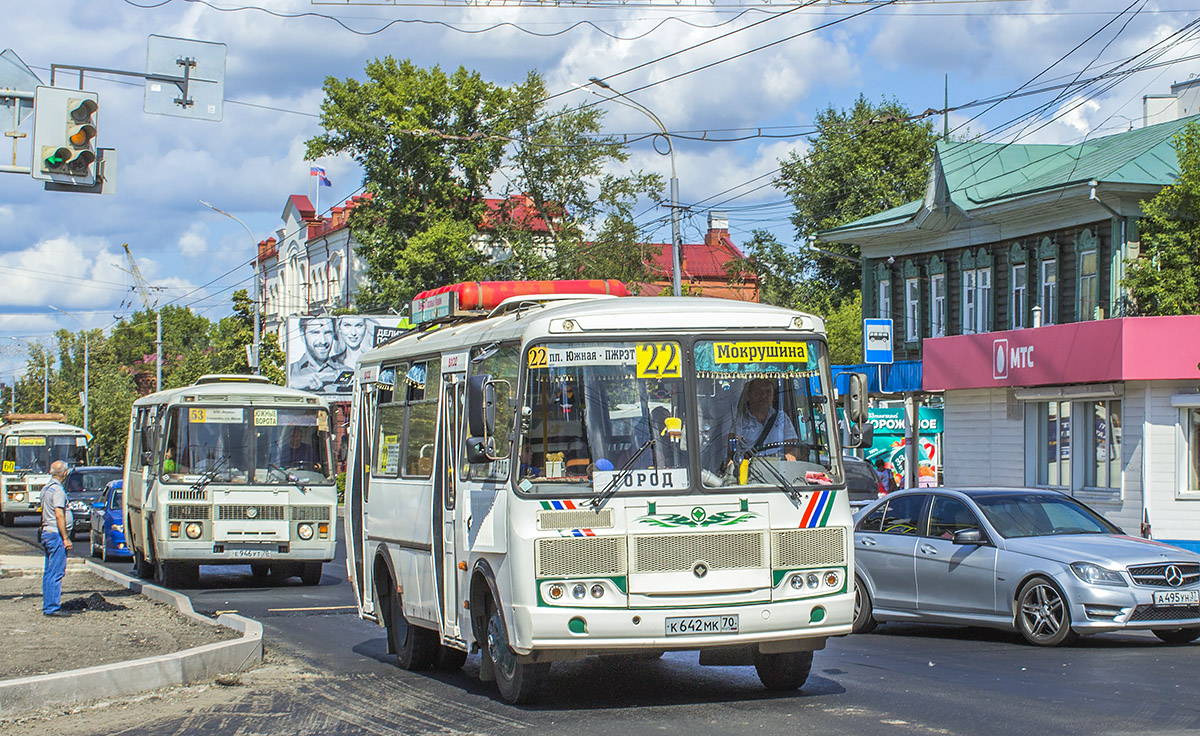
point(759, 424)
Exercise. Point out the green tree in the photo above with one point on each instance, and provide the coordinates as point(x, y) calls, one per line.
point(860, 161)
point(1165, 278)
point(843, 326)
point(428, 143)
point(563, 166)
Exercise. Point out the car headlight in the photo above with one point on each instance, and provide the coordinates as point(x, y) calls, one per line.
point(1096, 575)
point(193, 530)
point(305, 531)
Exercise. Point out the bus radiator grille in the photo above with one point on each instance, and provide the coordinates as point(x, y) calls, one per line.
point(189, 494)
point(808, 547)
point(310, 513)
point(187, 512)
point(681, 552)
point(549, 521)
point(243, 512)
point(580, 556)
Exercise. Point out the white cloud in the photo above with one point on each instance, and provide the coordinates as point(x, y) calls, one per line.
point(194, 242)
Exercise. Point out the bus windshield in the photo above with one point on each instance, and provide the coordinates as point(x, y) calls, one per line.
point(595, 409)
point(248, 445)
point(33, 454)
point(765, 411)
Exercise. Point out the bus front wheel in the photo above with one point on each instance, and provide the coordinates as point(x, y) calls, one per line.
point(414, 646)
point(783, 671)
point(141, 566)
point(311, 574)
point(518, 682)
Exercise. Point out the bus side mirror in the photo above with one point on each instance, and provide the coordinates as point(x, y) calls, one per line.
point(147, 457)
point(481, 406)
point(480, 450)
point(861, 432)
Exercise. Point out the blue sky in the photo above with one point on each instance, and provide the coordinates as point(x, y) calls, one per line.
point(65, 249)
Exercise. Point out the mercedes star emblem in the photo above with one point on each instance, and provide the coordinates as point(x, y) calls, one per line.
point(1173, 575)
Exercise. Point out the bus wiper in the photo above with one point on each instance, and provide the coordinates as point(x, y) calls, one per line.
point(294, 480)
point(602, 497)
point(209, 475)
point(787, 487)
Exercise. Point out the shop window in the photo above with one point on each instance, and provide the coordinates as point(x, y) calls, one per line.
point(937, 292)
point(1049, 300)
point(977, 300)
point(1018, 296)
point(1191, 428)
point(1054, 443)
point(912, 310)
point(1088, 286)
point(1103, 445)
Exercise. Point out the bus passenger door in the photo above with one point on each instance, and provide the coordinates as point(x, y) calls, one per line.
point(358, 476)
point(447, 470)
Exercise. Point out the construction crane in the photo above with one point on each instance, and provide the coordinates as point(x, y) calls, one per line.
point(143, 289)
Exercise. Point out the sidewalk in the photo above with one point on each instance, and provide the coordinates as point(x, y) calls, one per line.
point(135, 637)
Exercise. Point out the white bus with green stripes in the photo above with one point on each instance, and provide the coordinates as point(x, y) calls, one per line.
point(548, 477)
point(232, 470)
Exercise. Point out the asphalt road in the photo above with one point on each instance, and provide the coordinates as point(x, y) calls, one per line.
point(904, 679)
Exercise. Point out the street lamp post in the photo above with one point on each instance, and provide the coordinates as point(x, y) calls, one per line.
point(257, 285)
point(676, 245)
point(45, 374)
point(86, 362)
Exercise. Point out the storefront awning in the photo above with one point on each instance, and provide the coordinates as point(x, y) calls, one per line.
point(899, 377)
point(1127, 349)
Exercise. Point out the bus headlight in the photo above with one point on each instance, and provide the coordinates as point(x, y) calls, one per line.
point(193, 530)
point(578, 591)
point(797, 581)
point(597, 590)
point(305, 531)
point(813, 580)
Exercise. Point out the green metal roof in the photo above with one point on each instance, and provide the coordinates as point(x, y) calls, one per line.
point(980, 174)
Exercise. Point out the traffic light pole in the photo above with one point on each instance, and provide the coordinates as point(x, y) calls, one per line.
point(181, 82)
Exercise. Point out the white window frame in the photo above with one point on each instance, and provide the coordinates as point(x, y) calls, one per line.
point(912, 309)
point(885, 299)
point(1048, 299)
point(977, 299)
point(1088, 296)
point(937, 300)
point(1185, 404)
point(1020, 291)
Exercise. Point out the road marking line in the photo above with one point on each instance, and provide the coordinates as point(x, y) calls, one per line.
point(218, 613)
point(313, 608)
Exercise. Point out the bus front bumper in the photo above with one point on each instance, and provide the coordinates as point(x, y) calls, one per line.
point(229, 553)
point(597, 630)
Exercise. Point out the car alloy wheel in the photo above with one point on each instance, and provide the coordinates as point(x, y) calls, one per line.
point(1043, 616)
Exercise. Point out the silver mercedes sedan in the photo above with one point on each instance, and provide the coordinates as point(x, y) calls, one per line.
point(1035, 560)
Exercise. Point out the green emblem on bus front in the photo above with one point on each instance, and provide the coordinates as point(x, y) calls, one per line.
point(697, 518)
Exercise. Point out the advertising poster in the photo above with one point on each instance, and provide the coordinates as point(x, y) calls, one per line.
point(322, 351)
point(889, 444)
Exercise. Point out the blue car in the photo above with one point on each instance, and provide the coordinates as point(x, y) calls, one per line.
point(108, 524)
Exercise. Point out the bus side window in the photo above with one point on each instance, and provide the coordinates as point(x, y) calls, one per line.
point(389, 419)
point(424, 379)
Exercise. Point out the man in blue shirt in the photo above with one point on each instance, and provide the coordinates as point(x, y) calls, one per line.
point(56, 520)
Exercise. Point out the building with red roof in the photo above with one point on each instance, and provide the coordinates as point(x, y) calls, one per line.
point(705, 267)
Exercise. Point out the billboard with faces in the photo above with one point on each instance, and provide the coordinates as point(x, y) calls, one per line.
point(322, 350)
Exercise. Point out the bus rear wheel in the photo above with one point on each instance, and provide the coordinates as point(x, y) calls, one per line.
point(784, 671)
point(518, 682)
point(141, 566)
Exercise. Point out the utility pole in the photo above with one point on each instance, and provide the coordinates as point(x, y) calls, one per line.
point(143, 290)
point(254, 366)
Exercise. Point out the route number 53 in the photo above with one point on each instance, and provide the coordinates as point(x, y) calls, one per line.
point(658, 360)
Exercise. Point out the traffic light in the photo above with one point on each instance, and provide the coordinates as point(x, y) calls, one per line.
point(64, 135)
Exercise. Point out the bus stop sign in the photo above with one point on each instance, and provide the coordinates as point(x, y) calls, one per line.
point(877, 341)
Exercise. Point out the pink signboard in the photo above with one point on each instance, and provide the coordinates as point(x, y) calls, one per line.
point(1127, 349)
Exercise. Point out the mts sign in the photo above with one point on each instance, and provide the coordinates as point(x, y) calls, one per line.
point(1005, 358)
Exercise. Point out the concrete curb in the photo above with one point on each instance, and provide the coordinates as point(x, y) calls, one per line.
point(139, 675)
